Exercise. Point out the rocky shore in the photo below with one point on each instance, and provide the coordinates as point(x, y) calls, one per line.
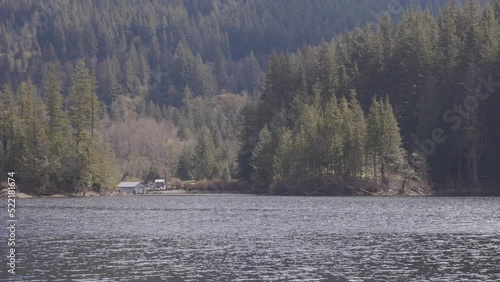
point(302, 187)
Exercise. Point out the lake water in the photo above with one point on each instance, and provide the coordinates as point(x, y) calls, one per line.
point(256, 238)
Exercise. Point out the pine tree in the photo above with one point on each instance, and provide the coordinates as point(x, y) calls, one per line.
point(9, 120)
point(188, 106)
point(300, 147)
point(95, 106)
point(374, 133)
point(32, 116)
point(118, 93)
point(449, 43)
point(332, 135)
point(489, 30)
point(393, 151)
point(89, 151)
point(84, 105)
point(248, 139)
point(56, 116)
point(253, 73)
point(33, 153)
point(97, 169)
point(327, 71)
point(346, 131)
point(185, 165)
point(262, 162)
point(204, 156)
point(283, 160)
point(359, 136)
point(383, 142)
point(310, 123)
point(220, 68)
point(269, 100)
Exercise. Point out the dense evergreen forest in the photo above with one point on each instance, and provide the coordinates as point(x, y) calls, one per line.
point(291, 96)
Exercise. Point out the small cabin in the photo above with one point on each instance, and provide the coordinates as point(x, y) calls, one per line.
point(160, 184)
point(132, 187)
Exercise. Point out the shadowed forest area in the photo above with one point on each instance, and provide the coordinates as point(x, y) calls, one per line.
point(282, 97)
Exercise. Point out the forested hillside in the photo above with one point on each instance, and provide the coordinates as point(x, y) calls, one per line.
point(99, 91)
point(156, 48)
point(441, 77)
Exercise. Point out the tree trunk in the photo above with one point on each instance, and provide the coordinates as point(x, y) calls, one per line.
point(402, 191)
point(459, 176)
point(475, 179)
point(382, 175)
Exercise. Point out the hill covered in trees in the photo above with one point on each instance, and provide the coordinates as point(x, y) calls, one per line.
point(98, 91)
point(440, 75)
point(156, 48)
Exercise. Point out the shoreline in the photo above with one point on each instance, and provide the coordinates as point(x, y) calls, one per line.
point(20, 195)
point(214, 188)
point(460, 194)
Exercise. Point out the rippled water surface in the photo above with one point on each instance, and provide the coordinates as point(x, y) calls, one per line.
point(253, 238)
